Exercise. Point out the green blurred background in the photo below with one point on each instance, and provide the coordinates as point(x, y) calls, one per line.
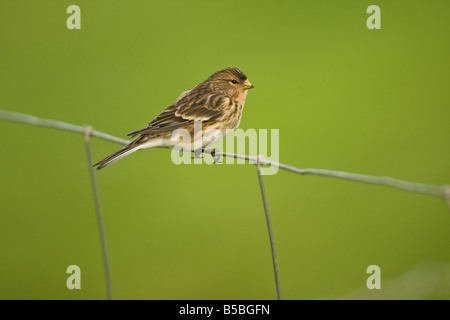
point(343, 97)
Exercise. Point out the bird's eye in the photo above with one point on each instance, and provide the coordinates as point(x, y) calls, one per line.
point(233, 81)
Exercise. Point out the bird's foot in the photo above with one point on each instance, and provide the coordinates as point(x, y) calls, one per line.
point(198, 154)
point(215, 156)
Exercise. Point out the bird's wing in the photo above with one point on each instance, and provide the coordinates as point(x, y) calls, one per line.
point(187, 109)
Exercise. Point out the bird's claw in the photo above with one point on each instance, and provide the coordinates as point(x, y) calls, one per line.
point(198, 154)
point(215, 156)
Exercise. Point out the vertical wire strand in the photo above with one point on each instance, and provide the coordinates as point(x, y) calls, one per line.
point(269, 227)
point(98, 210)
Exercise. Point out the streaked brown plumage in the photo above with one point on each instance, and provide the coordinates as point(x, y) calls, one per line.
point(217, 102)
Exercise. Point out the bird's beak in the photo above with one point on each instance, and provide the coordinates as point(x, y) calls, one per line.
point(248, 85)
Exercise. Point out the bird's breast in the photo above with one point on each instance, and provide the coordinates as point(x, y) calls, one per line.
point(235, 115)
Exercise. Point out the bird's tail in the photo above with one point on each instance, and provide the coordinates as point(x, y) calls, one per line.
point(128, 149)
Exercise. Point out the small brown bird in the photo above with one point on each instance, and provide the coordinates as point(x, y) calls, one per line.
point(217, 102)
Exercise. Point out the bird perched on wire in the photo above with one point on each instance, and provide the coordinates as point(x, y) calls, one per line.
point(217, 102)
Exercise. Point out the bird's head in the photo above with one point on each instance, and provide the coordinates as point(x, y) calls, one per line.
point(230, 80)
